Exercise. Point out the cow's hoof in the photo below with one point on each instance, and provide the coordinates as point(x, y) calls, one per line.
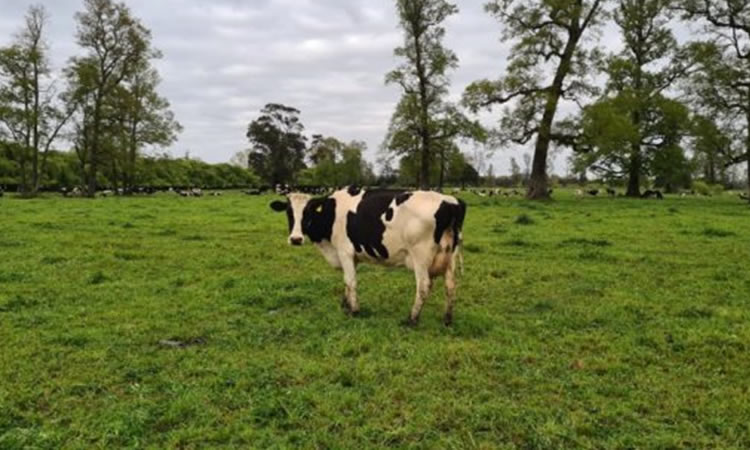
point(448, 320)
point(409, 322)
point(354, 314)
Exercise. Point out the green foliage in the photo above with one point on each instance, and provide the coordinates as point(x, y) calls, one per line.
point(609, 129)
point(336, 163)
point(278, 145)
point(159, 172)
point(634, 130)
point(671, 169)
point(457, 170)
point(571, 333)
point(703, 188)
point(711, 148)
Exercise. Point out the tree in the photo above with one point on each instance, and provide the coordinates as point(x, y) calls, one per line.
point(672, 170)
point(336, 163)
point(711, 146)
point(611, 137)
point(545, 33)
point(423, 122)
point(116, 44)
point(29, 113)
point(722, 84)
point(277, 143)
point(641, 120)
point(143, 115)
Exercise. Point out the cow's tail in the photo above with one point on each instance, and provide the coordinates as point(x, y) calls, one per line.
point(457, 260)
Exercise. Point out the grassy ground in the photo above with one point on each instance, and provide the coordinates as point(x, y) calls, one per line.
point(581, 323)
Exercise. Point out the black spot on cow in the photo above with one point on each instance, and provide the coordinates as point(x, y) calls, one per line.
point(449, 215)
point(403, 197)
point(318, 218)
point(389, 215)
point(280, 206)
point(365, 228)
point(354, 190)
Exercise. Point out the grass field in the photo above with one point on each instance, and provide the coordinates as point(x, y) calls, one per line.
point(580, 323)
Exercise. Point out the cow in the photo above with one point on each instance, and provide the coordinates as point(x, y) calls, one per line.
point(593, 192)
point(611, 192)
point(420, 230)
point(649, 194)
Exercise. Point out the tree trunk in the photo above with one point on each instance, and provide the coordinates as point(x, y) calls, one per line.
point(35, 136)
point(93, 148)
point(424, 121)
point(711, 167)
point(747, 147)
point(538, 182)
point(424, 170)
point(538, 187)
point(634, 173)
point(442, 170)
point(115, 176)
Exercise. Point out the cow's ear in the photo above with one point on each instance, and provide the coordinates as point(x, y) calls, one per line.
point(278, 206)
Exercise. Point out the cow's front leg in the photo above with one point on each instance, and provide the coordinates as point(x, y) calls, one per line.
point(422, 276)
point(350, 281)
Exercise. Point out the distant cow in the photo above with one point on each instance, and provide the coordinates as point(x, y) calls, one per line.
point(593, 192)
point(743, 196)
point(611, 192)
point(649, 194)
point(420, 230)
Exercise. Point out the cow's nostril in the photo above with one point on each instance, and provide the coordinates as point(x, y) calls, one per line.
point(296, 241)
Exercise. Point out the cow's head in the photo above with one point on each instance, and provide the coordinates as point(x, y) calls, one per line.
point(309, 216)
point(295, 207)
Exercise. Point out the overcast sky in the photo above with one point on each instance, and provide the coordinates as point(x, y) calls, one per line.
point(225, 59)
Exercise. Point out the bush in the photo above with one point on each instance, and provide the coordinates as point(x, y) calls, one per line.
point(703, 188)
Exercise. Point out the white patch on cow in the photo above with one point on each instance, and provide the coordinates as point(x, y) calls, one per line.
point(330, 254)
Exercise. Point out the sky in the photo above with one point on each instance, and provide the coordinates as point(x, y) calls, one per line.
point(225, 59)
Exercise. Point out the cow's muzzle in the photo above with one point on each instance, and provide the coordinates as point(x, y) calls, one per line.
point(296, 240)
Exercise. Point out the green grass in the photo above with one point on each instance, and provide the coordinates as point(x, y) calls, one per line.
point(171, 322)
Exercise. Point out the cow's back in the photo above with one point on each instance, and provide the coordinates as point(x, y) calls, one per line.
point(388, 225)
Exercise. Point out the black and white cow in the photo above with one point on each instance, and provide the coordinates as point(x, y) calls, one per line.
point(420, 230)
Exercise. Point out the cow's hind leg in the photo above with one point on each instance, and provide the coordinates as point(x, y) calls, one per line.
point(450, 294)
point(422, 276)
point(350, 280)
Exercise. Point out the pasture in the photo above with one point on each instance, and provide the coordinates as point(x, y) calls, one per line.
point(189, 322)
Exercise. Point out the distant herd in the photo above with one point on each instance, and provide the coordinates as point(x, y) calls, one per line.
point(284, 189)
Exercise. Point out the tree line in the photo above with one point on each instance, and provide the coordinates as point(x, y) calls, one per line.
point(280, 153)
point(665, 112)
